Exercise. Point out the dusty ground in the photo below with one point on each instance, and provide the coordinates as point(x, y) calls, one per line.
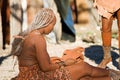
point(90, 33)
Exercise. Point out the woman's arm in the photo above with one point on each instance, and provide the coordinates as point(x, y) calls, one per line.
point(42, 54)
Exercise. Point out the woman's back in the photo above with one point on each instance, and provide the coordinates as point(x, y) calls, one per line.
point(28, 53)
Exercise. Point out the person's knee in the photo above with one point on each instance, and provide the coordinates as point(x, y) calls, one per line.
point(85, 65)
point(118, 26)
point(106, 29)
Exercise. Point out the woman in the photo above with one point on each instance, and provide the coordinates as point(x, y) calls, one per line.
point(34, 61)
point(108, 10)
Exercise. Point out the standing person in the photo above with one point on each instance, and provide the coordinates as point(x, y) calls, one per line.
point(34, 61)
point(108, 10)
point(68, 30)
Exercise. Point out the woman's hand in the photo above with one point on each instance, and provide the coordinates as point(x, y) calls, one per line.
point(55, 60)
point(67, 62)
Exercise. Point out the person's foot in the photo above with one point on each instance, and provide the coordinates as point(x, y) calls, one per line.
point(115, 74)
point(105, 62)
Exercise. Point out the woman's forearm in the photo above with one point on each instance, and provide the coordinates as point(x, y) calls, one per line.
point(50, 67)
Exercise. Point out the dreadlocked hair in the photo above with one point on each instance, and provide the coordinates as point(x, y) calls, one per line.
point(42, 19)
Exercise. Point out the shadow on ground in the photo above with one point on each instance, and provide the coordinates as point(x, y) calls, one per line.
point(95, 53)
point(2, 58)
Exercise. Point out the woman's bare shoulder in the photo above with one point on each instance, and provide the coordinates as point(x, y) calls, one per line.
point(34, 37)
point(35, 34)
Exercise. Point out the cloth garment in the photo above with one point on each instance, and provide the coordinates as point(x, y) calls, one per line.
point(106, 8)
point(75, 54)
point(34, 73)
point(65, 11)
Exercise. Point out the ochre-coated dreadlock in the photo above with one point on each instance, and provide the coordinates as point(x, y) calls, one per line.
point(43, 18)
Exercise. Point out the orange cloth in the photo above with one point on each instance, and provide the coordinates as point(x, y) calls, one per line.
point(106, 8)
point(76, 54)
point(70, 54)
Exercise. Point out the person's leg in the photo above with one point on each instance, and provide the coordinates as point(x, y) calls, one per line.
point(118, 19)
point(106, 33)
point(82, 69)
point(95, 78)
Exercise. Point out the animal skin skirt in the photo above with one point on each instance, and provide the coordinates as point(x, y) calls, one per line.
point(107, 9)
point(34, 73)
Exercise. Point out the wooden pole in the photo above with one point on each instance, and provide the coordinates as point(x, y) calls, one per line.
point(15, 18)
point(0, 29)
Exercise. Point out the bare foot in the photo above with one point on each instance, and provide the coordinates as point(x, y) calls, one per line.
point(105, 62)
point(115, 74)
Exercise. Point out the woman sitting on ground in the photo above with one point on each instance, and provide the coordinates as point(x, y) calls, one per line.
point(34, 61)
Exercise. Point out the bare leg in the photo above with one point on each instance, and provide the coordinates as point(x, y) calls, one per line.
point(106, 39)
point(106, 31)
point(97, 78)
point(118, 17)
point(84, 69)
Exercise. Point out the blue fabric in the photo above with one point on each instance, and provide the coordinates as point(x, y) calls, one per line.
point(66, 13)
point(62, 6)
point(68, 20)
